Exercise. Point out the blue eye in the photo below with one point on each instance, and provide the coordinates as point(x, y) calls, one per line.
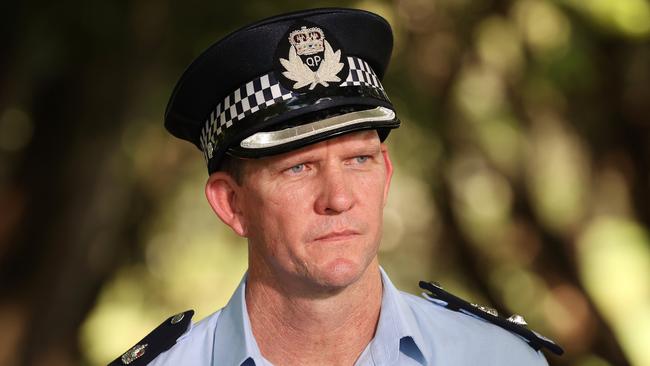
point(362, 159)
point(297, 168)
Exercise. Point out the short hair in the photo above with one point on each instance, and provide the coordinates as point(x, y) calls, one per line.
point(235, 167)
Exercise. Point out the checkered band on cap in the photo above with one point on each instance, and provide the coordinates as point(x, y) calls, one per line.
point(265, 91)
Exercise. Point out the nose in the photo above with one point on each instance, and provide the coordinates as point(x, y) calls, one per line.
point(336, 193)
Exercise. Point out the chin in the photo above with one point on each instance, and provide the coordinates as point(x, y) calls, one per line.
point(339, 273)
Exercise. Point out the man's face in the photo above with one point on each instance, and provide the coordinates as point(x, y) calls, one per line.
point(313, 216)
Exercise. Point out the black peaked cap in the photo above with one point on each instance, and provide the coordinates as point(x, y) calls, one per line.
point(252, 51)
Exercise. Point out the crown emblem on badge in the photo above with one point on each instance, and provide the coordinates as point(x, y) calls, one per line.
point(307, 41)
point(315, 69)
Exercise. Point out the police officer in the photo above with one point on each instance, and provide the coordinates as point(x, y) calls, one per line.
point(291, 116)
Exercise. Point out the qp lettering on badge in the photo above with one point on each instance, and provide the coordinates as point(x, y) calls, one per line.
point(313, 61)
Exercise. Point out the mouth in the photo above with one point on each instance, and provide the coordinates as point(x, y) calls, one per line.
point(337, 235)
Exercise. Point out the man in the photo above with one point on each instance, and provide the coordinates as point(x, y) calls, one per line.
point(291, 117)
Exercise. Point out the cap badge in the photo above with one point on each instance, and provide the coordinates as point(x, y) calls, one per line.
point(312, 61)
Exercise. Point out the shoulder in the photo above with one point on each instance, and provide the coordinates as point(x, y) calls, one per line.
point(476, 333)
point(174, 339)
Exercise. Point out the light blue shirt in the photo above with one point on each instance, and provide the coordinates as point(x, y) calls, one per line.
point(411, 331)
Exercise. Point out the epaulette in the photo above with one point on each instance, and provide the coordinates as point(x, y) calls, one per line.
point(515, 324)
point(158, 341)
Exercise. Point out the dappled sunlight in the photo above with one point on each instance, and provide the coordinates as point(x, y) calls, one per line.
point(557, 173)
point(499, 46)
point(521, 290)
point(629, 17)
point(545, 28)
point(615, 268)
point(409, 212)
point(482, 198)
point(121, 317)
point(568, 315)
point(502, 140)
point(480, 93)
point(411, 223)
point(191, 261)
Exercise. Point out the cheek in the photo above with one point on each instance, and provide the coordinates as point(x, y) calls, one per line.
point(276, 214)
point(371, 191)
point(371, 205)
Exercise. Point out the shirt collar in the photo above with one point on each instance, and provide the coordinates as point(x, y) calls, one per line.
point(234, 343)
point(397, 330)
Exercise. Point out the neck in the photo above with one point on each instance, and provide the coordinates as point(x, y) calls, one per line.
point(331, 328)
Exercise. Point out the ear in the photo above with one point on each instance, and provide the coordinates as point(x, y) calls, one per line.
point(389, 170)
point(222, 193)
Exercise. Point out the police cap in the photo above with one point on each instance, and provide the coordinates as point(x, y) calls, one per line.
point(285, 82)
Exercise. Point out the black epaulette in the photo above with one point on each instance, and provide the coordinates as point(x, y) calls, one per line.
point(158, 341)
point(515, 324)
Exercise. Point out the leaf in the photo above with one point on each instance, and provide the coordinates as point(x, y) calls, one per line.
point(330, 66)
point(297, 70)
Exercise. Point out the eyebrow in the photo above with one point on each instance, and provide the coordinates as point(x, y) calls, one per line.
point(365, 148)
point(293, 160)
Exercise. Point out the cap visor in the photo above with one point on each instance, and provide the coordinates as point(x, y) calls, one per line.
point(366, 119)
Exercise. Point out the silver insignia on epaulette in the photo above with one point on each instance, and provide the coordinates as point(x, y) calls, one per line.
point(517, 319)
point(177, 318)
point(133, 354)
point(486, 309)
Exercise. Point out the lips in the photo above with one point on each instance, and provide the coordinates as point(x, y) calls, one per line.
point(337, 235)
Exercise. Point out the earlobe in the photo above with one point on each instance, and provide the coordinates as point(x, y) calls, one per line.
point(222, 193)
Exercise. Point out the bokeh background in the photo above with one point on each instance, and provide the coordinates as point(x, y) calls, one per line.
point(522, 175)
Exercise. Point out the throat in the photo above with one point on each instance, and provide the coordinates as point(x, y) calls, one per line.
point(332, 330)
